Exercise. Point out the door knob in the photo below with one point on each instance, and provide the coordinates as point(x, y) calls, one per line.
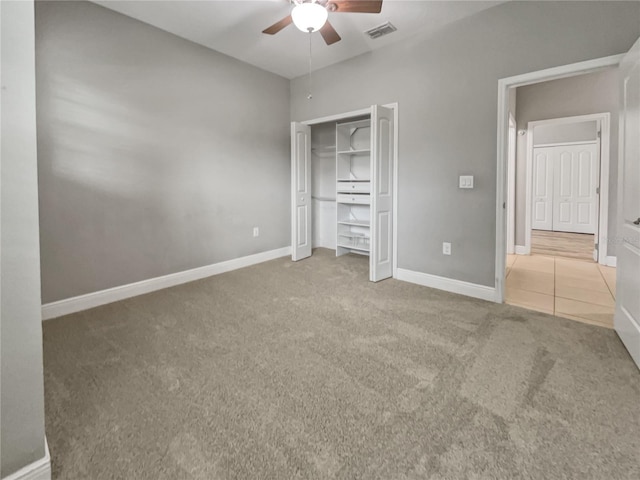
point(637, 222)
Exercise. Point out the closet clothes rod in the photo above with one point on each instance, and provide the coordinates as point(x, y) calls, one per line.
point(324, 199)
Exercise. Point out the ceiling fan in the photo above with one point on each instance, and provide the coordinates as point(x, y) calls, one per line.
point(311, 15)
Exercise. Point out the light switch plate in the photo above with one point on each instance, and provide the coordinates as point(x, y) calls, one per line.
point(466, 181)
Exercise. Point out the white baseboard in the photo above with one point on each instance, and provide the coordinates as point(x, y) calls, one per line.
point(521, 250)
point(38, 470)
point(448, 284)
point(102, 297)
point(610, 261)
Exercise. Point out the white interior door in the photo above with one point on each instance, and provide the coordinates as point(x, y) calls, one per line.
point(300, 191)
point(382, 154)
point(627, 316)
point(576, 177)
point(542, 208)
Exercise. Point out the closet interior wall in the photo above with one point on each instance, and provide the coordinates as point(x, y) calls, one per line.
point(323, 185)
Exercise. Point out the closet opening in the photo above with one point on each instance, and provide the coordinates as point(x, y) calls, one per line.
point(344, 176)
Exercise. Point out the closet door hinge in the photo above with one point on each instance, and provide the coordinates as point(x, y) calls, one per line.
point(597, 247)
point(597, 190)
point(599, 133)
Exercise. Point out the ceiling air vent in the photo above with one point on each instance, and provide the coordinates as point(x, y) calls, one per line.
point(380, 30)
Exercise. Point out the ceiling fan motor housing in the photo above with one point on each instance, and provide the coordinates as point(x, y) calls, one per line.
point(311, 16)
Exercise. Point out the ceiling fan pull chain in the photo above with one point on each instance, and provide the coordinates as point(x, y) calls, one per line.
point(309, 96)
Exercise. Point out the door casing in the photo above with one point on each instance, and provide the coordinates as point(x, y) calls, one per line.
point(511, 188)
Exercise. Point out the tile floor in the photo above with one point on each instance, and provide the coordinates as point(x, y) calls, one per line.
point(575, 289)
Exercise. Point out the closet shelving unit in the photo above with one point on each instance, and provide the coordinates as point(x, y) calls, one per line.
point(353, 187)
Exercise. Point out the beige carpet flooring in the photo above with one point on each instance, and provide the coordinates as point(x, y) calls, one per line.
point(308, 371)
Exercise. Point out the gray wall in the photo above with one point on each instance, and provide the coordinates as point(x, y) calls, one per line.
point(592, 93)
point(446, 85)
point(567, 132)
point(156, 155)
point(22, 398)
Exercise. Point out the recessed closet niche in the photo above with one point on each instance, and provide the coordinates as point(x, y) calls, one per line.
point(342, 187)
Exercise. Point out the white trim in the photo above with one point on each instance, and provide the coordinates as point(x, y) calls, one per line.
point(38, 470)
point(528, 187)
point(447, 284)
point(396, 136)
point(502, 139)
point(341, 116)
point(565, 144)
point(511, 184)
point(522, 250)
point(611, 261)
point(563, 71)
point(603, 196)
point(396, 117)
point(102, 297)
point(603, 121)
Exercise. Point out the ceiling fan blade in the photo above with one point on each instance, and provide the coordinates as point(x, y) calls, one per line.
point(329, 34)
point(276, 27)
point(355, 6)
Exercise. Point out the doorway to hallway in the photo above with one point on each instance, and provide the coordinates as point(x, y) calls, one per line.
point(558, 196)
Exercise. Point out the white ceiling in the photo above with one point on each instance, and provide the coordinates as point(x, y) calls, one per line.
point(234, 27)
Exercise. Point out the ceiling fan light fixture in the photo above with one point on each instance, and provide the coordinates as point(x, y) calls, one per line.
point(309, 17)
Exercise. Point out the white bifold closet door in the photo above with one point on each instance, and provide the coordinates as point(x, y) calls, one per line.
point(382, 154)
point(301, 220)
point(565, 185)
point(575, 198)
point(542, 217)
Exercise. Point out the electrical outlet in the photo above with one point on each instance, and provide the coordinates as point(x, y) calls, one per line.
point(446, 248)
point(256, 231)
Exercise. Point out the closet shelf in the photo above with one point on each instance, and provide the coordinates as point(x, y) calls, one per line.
point(354, 235)
point(356, 223)
point(324, 199)
point(352, 247)
point(364, 151)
